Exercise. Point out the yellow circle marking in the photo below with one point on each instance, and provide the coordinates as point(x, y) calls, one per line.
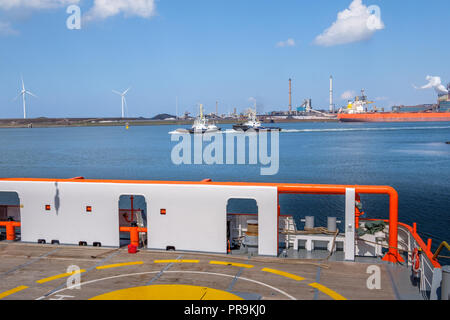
point(168, 292)
point(283, 274)
point(59, 276)
point(118, 265)
point(12, 291)
point(327, 291)
point(234, 264)
point(176, 261)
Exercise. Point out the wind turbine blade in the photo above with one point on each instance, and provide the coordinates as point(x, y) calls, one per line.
point(126, 91)
point(117, 92)
point(31, 94)
point(18, 96)
point(23, 84)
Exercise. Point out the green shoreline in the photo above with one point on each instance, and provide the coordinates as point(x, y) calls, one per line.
point(108, 122)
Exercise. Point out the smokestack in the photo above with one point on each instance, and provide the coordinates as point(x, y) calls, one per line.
point(290, 96)
point(331, 94)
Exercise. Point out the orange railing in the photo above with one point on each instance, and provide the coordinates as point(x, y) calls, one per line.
point(393, 254)
point(426, 248)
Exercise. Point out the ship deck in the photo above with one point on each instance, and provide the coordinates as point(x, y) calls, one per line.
point(33, 271)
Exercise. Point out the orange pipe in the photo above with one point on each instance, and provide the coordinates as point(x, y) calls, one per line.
point(10, 229)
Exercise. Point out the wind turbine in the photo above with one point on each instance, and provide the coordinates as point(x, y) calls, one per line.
point(124, 101)
point(23, 93)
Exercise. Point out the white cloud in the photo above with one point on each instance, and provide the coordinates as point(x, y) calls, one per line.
point(35, 4)
point(7, 30)
point(288, 43)
point(436, 83)
point(347, 95)
point(103, 9)
point(354, 24)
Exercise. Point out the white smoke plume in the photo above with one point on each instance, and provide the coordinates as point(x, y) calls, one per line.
point(347, 95)
point(435, 83)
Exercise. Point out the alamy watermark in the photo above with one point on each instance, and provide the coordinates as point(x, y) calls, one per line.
point(208, 148)
point(373, 22)
point(374, 280)
point(73, 22)
point(74, 280)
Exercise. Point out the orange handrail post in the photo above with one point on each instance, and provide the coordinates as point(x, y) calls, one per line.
point(358, 213)
point(10, 229)
point(393, 255)
point(429, 244)
point(134, 234)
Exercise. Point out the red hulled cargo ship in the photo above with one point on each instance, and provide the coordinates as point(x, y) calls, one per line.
point(357, 111)
point(394, 117)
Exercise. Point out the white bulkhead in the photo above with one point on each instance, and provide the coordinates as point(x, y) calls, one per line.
point(195, 219)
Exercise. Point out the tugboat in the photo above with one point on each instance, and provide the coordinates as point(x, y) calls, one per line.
point(200, 125)
point(254, 124)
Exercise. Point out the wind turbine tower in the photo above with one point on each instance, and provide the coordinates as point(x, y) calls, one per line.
point(331, 95)
point(23, 93)
point(290, 96)
point(124, 101)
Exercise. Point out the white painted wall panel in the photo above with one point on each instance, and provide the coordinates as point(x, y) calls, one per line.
point(349, 244)
point(195, 219)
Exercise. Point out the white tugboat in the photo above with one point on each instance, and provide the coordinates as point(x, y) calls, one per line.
point(200, 125)
point(253, 123)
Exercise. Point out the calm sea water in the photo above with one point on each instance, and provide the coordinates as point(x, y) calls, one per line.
point(411, 157)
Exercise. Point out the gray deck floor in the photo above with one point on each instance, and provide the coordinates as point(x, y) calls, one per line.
point(31, 271)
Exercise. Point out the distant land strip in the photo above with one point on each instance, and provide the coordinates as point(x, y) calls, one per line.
point(44, 122)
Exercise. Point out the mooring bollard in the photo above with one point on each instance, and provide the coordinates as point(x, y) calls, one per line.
point(134, 234)
point(309, 222)
point(10, 229)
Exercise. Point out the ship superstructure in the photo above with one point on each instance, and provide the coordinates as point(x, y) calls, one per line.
point(211, 242)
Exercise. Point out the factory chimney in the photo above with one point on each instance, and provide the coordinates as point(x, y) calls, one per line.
point(331, 95)
point(290, 96)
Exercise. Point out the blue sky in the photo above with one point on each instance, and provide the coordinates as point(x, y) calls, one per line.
point(204, 50)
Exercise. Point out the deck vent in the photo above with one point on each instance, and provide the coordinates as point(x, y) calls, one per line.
point(170, 248)
point(48, 207)
point(88, 209)
point(163, 212)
